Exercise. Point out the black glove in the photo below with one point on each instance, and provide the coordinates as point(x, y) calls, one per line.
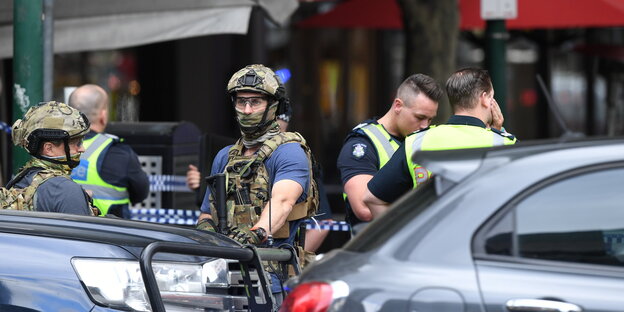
point(207, 225)
point(248, 236)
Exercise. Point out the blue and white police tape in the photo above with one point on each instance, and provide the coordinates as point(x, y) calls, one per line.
point(339, 226)
point(168, 183)
point(189, 217)
point(165, 216)
point(5, 128)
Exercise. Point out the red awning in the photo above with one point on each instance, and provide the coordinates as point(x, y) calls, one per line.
point(377, 14)
point(385, 14)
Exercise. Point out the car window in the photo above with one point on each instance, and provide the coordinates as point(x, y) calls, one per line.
point(404, 211)
point(577, 219)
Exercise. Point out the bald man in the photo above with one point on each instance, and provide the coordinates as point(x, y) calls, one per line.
point(109, 169)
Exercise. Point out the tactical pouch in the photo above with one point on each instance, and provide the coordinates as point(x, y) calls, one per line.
point(244, 215)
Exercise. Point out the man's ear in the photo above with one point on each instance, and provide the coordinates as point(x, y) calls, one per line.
point(397, 105)
point(103, 116)
point(46, 149)
point(484, 100)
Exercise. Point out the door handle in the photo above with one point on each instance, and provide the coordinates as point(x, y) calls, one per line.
point(540, 305)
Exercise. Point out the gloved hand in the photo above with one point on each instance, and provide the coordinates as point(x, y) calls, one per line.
point(248, 236)
point(207, 225)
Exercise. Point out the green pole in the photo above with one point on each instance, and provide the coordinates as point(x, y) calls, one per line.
point(496, 59)
point(27, 63)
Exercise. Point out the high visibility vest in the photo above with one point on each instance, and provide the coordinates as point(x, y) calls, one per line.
point(384, 144)
point(447, 137)
point(382, 140)
point(104, 194)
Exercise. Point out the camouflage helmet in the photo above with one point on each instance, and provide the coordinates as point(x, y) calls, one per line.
point(256, 78)
point(48, 121)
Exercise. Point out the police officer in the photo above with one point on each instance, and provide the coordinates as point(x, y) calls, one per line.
point(476, 122)
point(369, 146)
point(108, 168)
point(52, 133)
point(270, 187)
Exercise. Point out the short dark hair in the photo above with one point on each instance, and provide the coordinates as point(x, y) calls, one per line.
point(465, 85)
point(418, 83)
point(55, 142)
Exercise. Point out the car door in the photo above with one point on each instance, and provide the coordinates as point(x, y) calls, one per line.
point(558, 246)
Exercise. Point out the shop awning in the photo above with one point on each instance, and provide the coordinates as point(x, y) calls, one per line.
point(385, 14)
point(84, 25)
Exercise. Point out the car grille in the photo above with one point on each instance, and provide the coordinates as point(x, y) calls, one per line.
point(227, 298)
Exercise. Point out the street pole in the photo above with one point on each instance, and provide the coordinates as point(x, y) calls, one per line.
point(27, 63)
point(48, 49)
point(496, 59)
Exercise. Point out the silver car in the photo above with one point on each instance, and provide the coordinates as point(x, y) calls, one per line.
point(533, 227)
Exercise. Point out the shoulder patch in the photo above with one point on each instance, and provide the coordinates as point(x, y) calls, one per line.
point(359, 149)
point(503, 133)
point(360, 126)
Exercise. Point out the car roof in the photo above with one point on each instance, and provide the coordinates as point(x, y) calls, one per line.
point(452, 166)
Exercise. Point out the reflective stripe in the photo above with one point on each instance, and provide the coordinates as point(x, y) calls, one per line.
point(98, 140)
point(498, 139)
point(86, 174)
point(381, 138)
point(417, 144)
point(104, 192)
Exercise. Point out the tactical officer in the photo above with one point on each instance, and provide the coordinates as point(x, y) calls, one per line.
point(270, 189)
point(108, 168)
point(52, 134)
point(476, 122)
point(369, 146)
point(313, 237)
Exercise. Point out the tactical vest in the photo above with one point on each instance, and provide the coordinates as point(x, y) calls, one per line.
point(26, 198)
point(248, 185)
point(86, 174)
point(447, 137)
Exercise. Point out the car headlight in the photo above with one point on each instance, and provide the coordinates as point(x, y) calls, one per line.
point(119, 284)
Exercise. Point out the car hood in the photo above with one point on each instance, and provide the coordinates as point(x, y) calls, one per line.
point(130, 235)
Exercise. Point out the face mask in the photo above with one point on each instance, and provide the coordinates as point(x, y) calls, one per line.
point(63, 157)
point(75, 160)
point(249, 122)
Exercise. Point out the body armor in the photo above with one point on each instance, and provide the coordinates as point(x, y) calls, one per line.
point(248, 185)
point(25, 199)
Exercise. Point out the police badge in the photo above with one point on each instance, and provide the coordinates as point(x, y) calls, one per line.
point(358, 150)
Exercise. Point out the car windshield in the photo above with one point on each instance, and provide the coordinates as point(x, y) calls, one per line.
point(403, 211)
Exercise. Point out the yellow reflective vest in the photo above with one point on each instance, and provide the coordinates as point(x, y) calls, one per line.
point(447, 137)
point(384, 144)
point(104, 194)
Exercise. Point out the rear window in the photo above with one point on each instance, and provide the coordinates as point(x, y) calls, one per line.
point(403, 211)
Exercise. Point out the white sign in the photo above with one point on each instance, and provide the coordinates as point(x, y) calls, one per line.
point(499, 9)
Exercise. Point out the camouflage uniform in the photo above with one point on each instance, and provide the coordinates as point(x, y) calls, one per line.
point(47, 122)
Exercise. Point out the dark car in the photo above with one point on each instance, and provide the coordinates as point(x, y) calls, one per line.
point(533, 227)
point(60, 262)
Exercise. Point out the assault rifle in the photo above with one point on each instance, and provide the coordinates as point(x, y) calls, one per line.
point(216, 183)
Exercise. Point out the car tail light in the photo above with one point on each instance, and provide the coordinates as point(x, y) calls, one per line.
point(314, 296)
